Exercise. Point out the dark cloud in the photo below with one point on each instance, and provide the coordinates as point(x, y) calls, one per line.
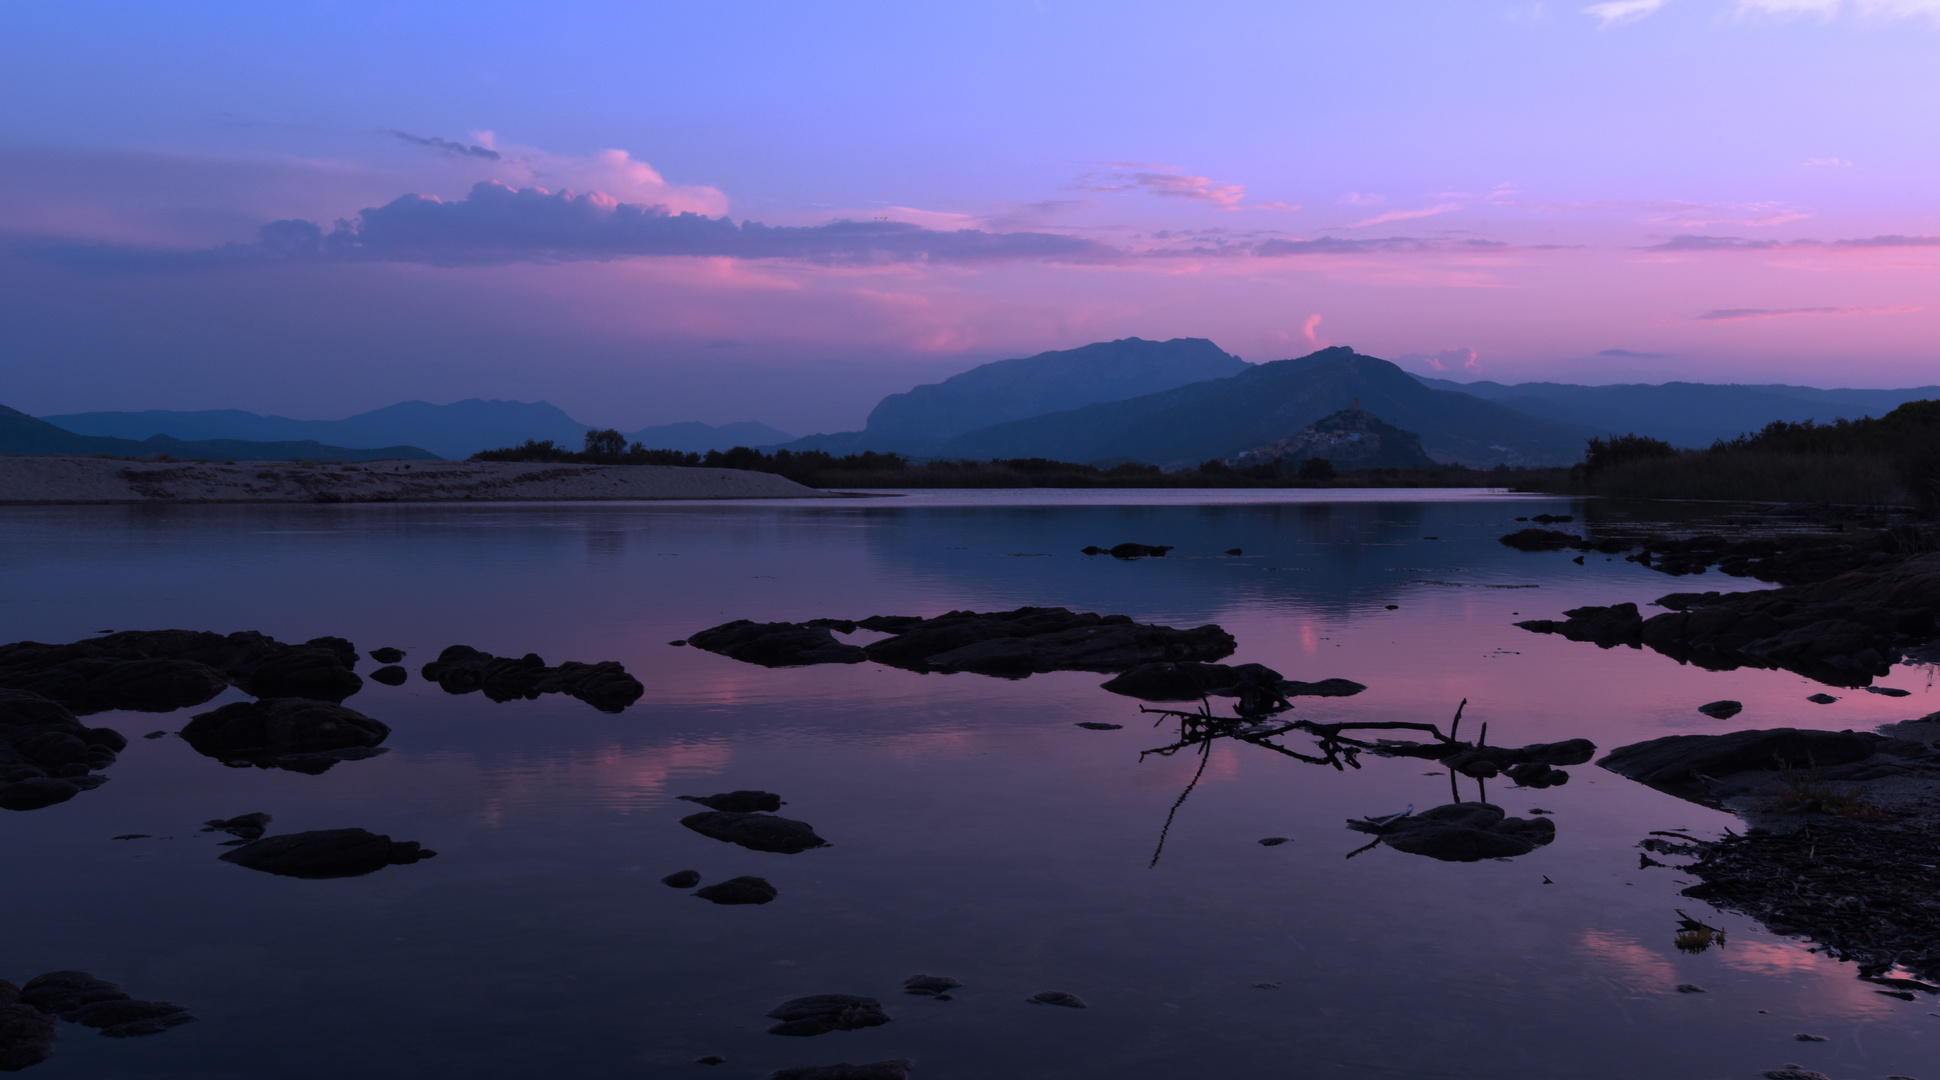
point(1334, 245)
point(1889, 241)
point(455, 148)
point(1736, 243)
point(1626, 354)
point(497, 224)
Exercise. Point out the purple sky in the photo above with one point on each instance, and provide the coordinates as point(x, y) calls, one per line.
point(650, 213)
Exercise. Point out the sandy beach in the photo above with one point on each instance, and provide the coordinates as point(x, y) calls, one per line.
point(105, 480)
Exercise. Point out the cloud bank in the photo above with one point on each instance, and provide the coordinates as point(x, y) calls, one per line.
point(1736, 314)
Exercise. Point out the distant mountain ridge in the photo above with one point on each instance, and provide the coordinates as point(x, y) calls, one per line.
point(1219, 418)
point(23, 434)
point(455, 431)
point(1683, 413)
point(923, 419)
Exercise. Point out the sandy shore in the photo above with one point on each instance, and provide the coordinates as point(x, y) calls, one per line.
point(103, 480)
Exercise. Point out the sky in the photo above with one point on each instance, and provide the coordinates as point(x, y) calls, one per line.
point(655, 212)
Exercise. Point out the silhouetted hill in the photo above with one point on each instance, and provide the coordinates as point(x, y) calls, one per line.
point(922, 419)
point(23, 434)
point(454, 431)
point(1221, 417)
point(1682, 413)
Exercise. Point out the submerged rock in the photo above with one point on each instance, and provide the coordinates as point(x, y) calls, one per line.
point(819, 1014)
point(1461, 832)
point(261, 730)
point(930, 985)
point(682, 879)
point(1722, 710)
point(739, 890)
point(122, 1019)
point(895, 1069)
point(461, 669)
point(1056, 997)
point(736, 801)
point(245, 826)
point(326, 853)
point(778, 644)
point(63, 993)
point(759, 832)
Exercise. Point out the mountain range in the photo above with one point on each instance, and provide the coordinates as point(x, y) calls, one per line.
point(23, 434)
point(1171, 403)
point(458, 430)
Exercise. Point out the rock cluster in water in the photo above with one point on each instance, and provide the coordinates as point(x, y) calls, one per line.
point(819, 1014)
point(1785, 558)
point(163, 670)
point(1844, 631)
point(287, 733)
point(1012, 644)
point(462, 669)
point(27, 1014)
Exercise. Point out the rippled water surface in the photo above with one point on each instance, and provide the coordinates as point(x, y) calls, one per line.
point(978, 833)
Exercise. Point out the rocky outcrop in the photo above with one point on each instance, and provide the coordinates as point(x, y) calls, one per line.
point(47, 756)
point(758, 832)
point(326, 853)
point(777, 644)
point(1845, 631)
point(1010, 644)
point(1685, 763)
point(462, 669)
point(289, 733)
point(163, 670)
point(27, 1014)
point(1460, 832)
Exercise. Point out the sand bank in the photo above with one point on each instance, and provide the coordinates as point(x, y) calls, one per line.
point(103, 480)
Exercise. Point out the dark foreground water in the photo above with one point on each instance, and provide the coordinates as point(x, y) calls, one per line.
point(977, 832)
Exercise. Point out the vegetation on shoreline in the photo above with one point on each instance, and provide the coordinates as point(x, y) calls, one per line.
point(869, 469)
point(1888, 460)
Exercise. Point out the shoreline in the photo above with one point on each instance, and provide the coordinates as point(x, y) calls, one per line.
point(69, 481)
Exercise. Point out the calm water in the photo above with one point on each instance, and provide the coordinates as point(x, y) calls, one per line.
point(977, 832)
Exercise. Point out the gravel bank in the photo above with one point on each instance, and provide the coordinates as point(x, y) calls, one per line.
point(106, 480)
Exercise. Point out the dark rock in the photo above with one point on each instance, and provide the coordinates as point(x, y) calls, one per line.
point(819, 1014)
point(392, 675)
point(739, 890)
point(682, 879)
point(1552, 519)
point(462, 669)
point(245, 826)
point(1056, 997)
point(1680, 763)
point(1822, 699)
point(896, 1069)
point(1235, 551)
point(1094, 725)
point(1888, 691)
point(1167, 681)
point(257, 730)
point(1461, 832)
point(710, 1059)
point(387, 655)
point(930, 985)
point(1803, 1037)
point(26, 1037)
point(315, 671)
point(1566, 752)
point(1722, 710)
point(1028, 640)
point(1275, 841)
point(737, 801)
point(759, 832)
point(1618, 624)
point(1541, 540)
point(156, 735)
point(326, 853)
point(9, 993)
point(125, 1017)
point(133, 836)
point(777, 644)
point(65, 992)
point(1323, 688)
point(36, 792)
point(1689, 988)
point(1139, 551)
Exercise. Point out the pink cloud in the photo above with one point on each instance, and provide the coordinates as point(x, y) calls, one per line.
point(1406, 215)
point(1737, 314)
point(1166, 183)
point(1309, 330)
